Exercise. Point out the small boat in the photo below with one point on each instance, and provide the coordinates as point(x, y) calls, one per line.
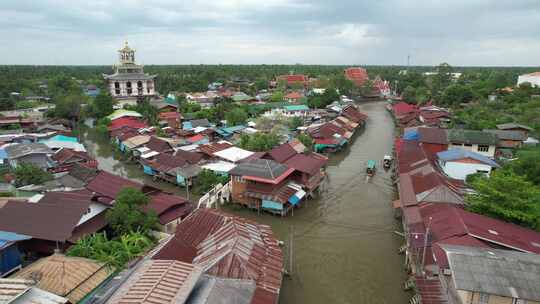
point(370, 169)
point(387, 161)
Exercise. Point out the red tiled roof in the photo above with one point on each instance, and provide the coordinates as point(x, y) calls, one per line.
point(281, 153)
point(352, 113)
point(131, 122)
point(402, 108)
point(294, 95)
point(310, 164)
point(110, 185)
point(356, 75)
point(291, 79)
point(196, 138)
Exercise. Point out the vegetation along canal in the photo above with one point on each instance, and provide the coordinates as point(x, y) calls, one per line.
point(344, 248)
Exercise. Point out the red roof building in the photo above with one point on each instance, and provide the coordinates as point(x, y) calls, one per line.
point(293, 96)
point(228, 246)
point(109, 185)
point(357, 75)
point(131, 122)
point(170, 209)
point(298, 79)
point(352, 113)
point(402, 108)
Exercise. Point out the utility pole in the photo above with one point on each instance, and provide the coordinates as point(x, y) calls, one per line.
point(408, 61)
point(291, 244)
point(187, 188)
point(426, 236)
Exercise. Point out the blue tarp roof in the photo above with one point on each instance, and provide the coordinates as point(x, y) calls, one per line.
point(3, 154)
point(7, 236)
point(456, 153)
point(186, 125)
point(64, 138)
point(411, 135)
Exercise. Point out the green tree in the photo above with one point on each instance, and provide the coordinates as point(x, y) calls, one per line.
point(103, 104)
point(456, 94)
point(236, 116)
point(69, 106)
point(208, 179)
point(528, 165)
point(306, 140)
point(259, 141)
point(295, 122)
point(27, 174)
point(277, 96)
point(130, 213)
point(409, 95)
point(506, 196)
point(342, 84)
point(422, 95)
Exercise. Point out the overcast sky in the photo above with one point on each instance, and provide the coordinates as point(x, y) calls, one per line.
point(460, 32)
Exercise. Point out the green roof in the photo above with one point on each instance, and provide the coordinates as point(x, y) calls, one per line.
point(471, 137)
point(301, 107)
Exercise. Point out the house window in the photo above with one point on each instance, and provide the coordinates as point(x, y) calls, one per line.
point(482, 148)
point(117, 85)
point(484, 298)
point(468, 145)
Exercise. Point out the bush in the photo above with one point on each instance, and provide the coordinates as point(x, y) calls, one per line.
point(208, 179)
point(116, 252)
point(27, 174)
point(129, 213)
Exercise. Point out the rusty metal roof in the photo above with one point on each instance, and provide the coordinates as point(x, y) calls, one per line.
point(228, 246)
point(158, 282)
point(110, 185)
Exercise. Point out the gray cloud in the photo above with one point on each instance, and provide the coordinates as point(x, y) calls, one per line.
point(461, 32)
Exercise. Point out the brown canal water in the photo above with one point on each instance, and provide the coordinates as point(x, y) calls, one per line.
point(344, 245)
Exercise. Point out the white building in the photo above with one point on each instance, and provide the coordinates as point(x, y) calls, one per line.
point(129, 79)
point(458, 163)
point(532, 78)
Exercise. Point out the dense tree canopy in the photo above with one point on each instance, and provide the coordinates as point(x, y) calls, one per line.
point(27, 174)
point(129, 213)
point(259, 141)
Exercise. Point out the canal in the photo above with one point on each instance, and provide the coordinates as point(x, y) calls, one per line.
point(344, 245)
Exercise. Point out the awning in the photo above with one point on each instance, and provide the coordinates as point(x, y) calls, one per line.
point(272, 205)
point(295, 198)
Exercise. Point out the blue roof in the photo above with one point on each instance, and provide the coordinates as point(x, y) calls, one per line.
point(64, 138)
point(411, 135)
point(456, 153)
point(292, 108)
point(234, 128)
point(3, 154)
point(186, 125)
point(12, 236)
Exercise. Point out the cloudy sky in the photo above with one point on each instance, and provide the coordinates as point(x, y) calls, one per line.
point(460, 32)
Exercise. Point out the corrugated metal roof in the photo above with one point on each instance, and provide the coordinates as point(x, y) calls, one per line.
point(20, 291)
point(110, 185)
point(158, 282)
point(70, 277)
point(504, 273)
point(457, 154)
point(228, 246)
